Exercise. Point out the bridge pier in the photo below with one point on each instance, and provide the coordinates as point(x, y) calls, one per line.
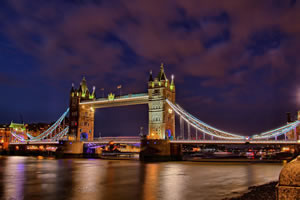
point(70, 149)
point(159, 150)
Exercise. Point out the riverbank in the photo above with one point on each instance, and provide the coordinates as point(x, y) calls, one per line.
point(265, 192)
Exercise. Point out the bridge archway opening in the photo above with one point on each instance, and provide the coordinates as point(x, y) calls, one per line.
point(169, 134)
point(84, 136)
point(121, 121)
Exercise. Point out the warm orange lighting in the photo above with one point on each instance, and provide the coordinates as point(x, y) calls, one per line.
point(285, 149)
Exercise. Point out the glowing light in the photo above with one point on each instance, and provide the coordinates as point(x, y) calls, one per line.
point(46, 133)
point(199, 125)
point(111, 96)
point(171, 87)
point(170, 110)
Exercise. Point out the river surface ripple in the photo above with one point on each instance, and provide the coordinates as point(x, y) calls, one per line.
point(36, 178)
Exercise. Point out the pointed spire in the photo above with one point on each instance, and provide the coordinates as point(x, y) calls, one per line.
point(93, 95)
point(83, 86)
point(172, 86)
point(72, 89)
point(150, 76)
point(162, 75)
point(162, 66)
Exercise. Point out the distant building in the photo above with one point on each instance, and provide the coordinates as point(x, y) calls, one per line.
point(19, 130)
point(5, 136)
point(35, 129)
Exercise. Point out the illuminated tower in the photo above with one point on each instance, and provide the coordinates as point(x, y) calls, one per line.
point(161, 116)
point(81, 117)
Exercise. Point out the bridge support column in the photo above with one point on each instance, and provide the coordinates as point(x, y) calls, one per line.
point(189, 131)
point(181, 128)
point(196, 134)
point(203, 136)
point(295, 133)
point(285, 136)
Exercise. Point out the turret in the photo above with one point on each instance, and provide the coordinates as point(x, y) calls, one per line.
point(162, 76)
point(72, 93)
point(172, 85)
point(93, 95)
point(150, 81)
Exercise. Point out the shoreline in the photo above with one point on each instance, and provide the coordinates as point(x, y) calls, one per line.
point(212, 160)
point(266, 192)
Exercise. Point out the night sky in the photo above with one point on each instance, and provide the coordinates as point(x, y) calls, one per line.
point(236, 63)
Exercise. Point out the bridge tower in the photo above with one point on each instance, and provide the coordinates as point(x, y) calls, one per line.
point(161, 116)
point(81, 117)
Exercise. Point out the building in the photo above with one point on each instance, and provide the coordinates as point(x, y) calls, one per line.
point(161, 116)
point(80, 115)
point(5, 136)
point(35, 129)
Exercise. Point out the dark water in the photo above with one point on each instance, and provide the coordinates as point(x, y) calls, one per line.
point(43, 178)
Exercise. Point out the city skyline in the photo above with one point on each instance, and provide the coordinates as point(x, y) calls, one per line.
point(236, 77)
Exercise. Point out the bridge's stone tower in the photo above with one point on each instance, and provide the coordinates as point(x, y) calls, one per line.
point(161, 116)
point(81, 116)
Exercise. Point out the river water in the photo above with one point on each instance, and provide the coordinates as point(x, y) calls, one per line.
point(45, 178)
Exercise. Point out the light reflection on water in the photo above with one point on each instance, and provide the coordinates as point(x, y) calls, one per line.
point(33, 178)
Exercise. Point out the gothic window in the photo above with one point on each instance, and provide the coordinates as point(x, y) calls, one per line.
point(74, 114)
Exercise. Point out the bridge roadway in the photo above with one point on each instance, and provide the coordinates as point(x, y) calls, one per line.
point(136, 140)
point(126, 100)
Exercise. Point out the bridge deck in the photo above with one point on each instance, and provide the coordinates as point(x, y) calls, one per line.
point(135, 140)
point(235, 142)
point(126, 100)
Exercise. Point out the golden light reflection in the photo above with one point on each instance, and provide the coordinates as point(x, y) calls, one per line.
point(151, 183)
point(173, 182)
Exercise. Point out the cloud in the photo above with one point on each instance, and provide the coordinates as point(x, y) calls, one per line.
point(237, 49)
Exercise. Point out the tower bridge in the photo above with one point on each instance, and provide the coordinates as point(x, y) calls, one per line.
point(162, 111)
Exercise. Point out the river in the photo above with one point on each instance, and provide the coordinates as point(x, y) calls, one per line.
point(36, 178)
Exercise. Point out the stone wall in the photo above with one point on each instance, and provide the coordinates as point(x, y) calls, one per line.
point(288, 187)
